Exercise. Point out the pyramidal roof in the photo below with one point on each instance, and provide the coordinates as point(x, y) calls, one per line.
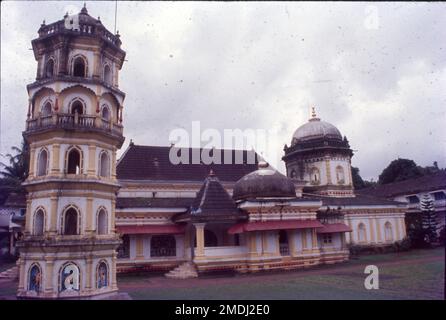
point(213, 199)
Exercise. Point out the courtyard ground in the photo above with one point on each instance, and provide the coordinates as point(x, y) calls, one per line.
point(417, 274)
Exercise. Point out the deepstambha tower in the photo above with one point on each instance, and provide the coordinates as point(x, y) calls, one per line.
point(74, 129)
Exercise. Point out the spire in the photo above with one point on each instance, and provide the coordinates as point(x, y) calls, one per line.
point(313, 115)
point(84, 9)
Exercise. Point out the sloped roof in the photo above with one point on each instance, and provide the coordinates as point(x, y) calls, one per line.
point(152, 163)
point(213, 199)
point(358, 200)
point(421, 184)
point(141, 202)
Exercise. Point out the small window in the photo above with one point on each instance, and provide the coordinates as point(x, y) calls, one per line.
point(361, 233)
point(39, 218)
point(340, 178)
point(79, 67)
point(77, 107)
point(439, 195)
point(104, 165)
point(293, 174)
point(327, 238)
point(102, 275)
point(49, 69)
point(71, 222)
point(35, 278)
point(107, 74)
point(74, 161)
point(105, 113)
point(46, 109)
point(413, 199)
point(315, 176)
point(388, 231)
point(124, 248)
point(102, 222)
point(42, 163)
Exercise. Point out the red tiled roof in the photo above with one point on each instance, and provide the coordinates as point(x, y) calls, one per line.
point(152, 163)
point(151, 229)
point(274, 225)
point(334, 227)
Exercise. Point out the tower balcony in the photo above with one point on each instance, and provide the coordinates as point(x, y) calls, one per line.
point(76, 122)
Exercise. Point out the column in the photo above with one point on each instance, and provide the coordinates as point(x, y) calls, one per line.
point(29, 217)
point(403, 226)
point(314, 239)
point(55, 168)
point(90, 273)
point(328, 171)
point(304, 240)
point(113, 164)
point(139, 247)
point(397, 229)
point(113, 216)
point(49, 289)
point(91, 217)
point(113, 271)
point(199, 231)
point(91, 160)
point(32, 152)
point(378, 230)
point(53, 214)
point(372, 231)
point(22, 272)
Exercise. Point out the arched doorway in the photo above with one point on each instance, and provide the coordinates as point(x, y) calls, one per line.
point(283, 243)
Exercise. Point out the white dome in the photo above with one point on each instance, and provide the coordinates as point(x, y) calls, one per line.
point(314, 129)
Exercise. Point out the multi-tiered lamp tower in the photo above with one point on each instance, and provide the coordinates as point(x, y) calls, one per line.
point(74, 129)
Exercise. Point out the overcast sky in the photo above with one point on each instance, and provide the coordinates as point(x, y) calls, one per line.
point(377, 71)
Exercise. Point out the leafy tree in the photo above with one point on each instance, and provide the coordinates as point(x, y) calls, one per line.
point(358, 182)
point(15, 172)
point(429, 219)
point(399, 170)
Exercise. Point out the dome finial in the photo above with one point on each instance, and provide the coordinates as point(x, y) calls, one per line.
point(313, 115)
point(84, 9)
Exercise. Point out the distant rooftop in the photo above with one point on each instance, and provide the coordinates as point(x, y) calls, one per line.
point(411, 186)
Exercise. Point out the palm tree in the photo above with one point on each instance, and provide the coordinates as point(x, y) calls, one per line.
point(13, 174)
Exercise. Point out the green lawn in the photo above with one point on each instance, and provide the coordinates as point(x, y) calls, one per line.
point(418, 274)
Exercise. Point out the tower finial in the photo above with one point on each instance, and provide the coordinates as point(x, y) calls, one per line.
point(313, 112)
point(84, 9)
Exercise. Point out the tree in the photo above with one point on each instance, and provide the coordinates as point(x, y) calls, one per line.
point(358, 182)
point(429, 219)
point(399, 170)
point(13, 174)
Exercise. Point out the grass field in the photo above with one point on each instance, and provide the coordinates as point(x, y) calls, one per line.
point(417, 274)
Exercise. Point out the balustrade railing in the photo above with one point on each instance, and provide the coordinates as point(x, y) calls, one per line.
point(72, 121)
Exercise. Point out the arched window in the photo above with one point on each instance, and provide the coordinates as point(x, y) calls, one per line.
point(39, 222)
point(102, 222)
point(77, 107)
point(124, 247)
point(42, 163)
point(107, 74)
point(162, 246)
point(46, 109)
point(69, 277)
point(283, 243)
point(102, 275)
point(340, 178)
point(388, 231)
point(49, 68)
point(315, 176)
point(210, 239)
point(104, 164)
point(79, 67)
point(71, 222)
point(35, 278)
point(361, 233)
point(293, 174)
point(105, 113)
point(74, 161)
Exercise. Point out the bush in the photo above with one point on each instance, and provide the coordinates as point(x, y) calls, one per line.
point(442, 237)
